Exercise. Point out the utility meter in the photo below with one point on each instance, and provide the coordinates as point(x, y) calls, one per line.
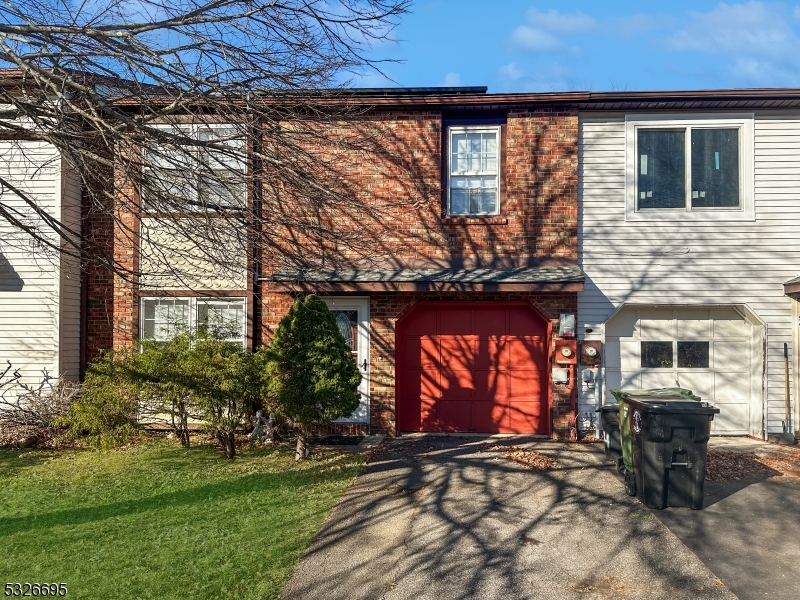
point(590, 352)
point(566, 352)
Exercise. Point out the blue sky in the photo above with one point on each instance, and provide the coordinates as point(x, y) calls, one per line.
point(523, 46)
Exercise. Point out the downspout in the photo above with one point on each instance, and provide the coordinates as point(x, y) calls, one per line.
point(788, 426)
point(764, 414)
point(573, 402)
point(83, 269)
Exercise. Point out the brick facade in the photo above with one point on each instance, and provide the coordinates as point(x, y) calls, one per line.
point(402, 180)
point(111, 299)
point(538, 219)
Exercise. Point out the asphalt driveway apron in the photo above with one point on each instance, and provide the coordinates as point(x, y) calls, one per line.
point(748, 534)
point(444, 517)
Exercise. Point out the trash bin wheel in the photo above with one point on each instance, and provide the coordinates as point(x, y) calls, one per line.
point(630, 483)
point(620, 466)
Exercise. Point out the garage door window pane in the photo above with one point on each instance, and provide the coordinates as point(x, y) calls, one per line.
point(692, 355)
point(656, 355)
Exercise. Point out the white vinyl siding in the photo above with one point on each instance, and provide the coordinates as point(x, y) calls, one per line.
point(707, 261)
point(39, 290)
point(173, 259)
point(201, 179)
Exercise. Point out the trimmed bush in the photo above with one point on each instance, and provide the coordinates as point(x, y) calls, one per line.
point(311, 376)
point(104, 415)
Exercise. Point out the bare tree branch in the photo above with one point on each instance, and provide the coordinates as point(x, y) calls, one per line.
point(201, 129)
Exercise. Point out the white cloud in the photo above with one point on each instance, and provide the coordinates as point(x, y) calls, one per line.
point(546, 77)
point(751, 28)
point(512, 72)
point(536, 40)
point(757, 39)
point(451, 80)
point(366, 79)
point(632, 25)
point(556, 22)
point(540, 33)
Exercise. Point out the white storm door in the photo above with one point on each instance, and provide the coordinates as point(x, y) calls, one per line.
point(352, 317)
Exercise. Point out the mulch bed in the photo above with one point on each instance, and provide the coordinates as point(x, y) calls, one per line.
point(336, 440)
point(724, 465)
point(29, 437)
point(787, 462)
point(522, 456)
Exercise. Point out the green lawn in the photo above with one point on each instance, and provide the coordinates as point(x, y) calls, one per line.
point(161, 521)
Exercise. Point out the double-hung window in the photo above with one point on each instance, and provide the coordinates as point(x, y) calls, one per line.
point(194, 168)
point(684, 168)
point(473, 182)
point(164, 318)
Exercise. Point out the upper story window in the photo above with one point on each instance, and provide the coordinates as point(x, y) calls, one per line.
point(204, 168)
point(685, 168)
point(473, 182)
point(164, 318)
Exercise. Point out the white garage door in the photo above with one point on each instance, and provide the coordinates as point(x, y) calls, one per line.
point(707, 350)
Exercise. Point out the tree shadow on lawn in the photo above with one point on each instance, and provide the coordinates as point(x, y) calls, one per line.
point(196, 459)
point(13, 460)
point(442, 517)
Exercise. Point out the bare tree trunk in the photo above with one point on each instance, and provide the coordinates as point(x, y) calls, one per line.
point(302, 450)
point(184, 425)
point(228, 443)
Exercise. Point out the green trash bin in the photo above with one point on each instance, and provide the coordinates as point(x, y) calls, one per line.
point(609, 417)
point(626, 467)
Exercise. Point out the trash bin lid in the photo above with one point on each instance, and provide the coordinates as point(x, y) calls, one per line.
point(662, 393)
point(608, 408)
point(671, 404)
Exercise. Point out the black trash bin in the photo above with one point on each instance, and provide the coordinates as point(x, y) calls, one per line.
point(609, 418)
point(670, 445)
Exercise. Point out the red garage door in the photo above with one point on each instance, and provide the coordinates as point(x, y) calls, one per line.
point(472, 366)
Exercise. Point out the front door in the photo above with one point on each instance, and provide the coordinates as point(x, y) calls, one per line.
point(352, 318)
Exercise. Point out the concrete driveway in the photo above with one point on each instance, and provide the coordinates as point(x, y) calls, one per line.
point(442, 517)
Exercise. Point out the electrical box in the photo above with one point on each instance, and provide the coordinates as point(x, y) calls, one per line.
point(566, 325)
point(588, 376)
point(591, 352)
point(566, 352)
point(560, 375)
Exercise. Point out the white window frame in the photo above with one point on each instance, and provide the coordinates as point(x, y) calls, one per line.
point(455, 129)
point(194, 303)
point(194, 131)
point(741, 121)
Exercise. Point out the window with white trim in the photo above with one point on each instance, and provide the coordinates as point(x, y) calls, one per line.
point(164, 318)
point(473, 182)
point(689, 168)
point(661, 355)
point(179, 176)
